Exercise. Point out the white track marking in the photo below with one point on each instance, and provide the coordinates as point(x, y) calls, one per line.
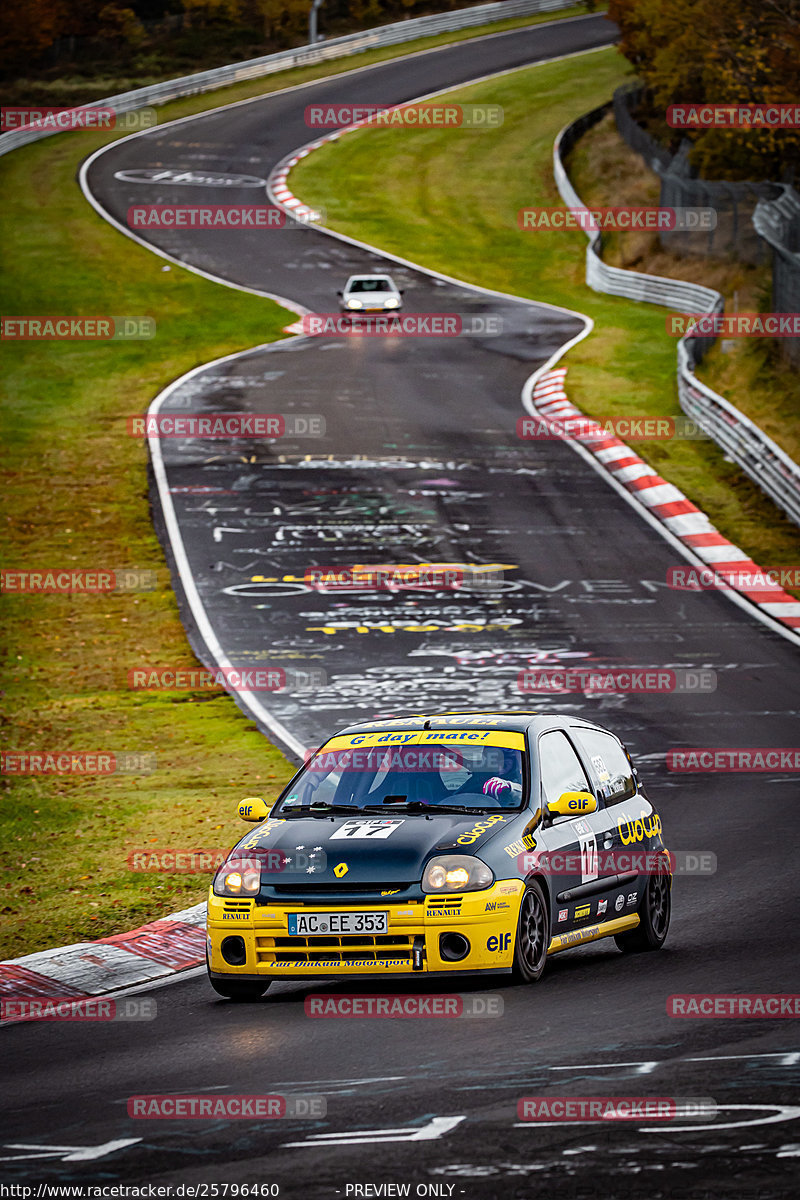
point(69, 1153)
point(436, 1128)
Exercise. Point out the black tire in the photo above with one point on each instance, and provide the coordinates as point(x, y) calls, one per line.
point(239, 989)
point(533, 934)
point(655, 910)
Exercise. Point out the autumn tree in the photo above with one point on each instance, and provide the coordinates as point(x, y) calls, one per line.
point(717, 52)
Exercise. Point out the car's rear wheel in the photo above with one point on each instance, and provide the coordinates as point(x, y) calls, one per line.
point(239, 989)
point(655, 910)
point(533, 934)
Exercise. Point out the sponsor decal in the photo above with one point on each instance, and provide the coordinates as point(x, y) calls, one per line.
point(602, 905)
point(582, 912)
point(495, 905)
point(619, 903)
point(601, 769)
point(563, 913)
point(340, 869)
point(508, 889)
point(632, 898)
point(520, 846)
point(444, 912)
point(499, 942)
point(359, 830)
point(478, 830)
point(393, 892)
point(637, 831)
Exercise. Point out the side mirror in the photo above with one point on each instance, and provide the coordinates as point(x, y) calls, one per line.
point(253, 809)
point(340, 293)
point(572, 804)
point(402, 291)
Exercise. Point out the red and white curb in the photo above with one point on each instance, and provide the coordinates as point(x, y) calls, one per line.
point(125, 960)
point(665, 502)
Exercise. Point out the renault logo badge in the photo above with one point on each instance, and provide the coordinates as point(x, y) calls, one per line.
point(340, 869)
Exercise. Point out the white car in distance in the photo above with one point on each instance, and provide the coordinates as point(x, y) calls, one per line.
point(370, 293)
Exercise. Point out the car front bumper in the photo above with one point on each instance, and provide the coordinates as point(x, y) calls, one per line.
point(412, 944)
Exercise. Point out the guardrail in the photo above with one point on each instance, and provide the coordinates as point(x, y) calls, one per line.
point(302, 56)
point(747, 445)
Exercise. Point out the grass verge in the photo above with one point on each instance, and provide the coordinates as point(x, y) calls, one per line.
point(449, 200)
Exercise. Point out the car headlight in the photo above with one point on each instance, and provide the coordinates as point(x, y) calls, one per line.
point(236, 878)
point(391, 302)
point(456, 873)
point(354, 304)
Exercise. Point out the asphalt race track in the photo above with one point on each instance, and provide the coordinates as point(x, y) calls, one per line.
point(420, 462)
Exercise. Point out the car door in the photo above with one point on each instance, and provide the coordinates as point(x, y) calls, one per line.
point(571, 842)
point(615, 785)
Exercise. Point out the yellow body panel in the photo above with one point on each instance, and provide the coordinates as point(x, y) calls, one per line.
point(488, 919)
point(411, 737)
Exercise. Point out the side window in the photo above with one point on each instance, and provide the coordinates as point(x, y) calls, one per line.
point(610, 765)
point(561, 770)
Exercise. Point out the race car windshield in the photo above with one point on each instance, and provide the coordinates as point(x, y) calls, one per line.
point(415, 777)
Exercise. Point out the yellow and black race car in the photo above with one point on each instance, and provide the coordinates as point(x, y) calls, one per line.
point(442, 845)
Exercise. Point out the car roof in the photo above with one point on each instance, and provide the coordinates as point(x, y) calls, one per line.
point(515, 720)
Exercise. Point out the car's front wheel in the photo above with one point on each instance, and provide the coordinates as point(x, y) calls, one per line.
point(533, 934)
point(239, 989)
point(655, 911)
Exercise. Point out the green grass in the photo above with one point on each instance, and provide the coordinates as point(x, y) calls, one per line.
point(449, 199)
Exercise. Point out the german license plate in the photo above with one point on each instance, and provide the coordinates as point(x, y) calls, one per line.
point(306, 924)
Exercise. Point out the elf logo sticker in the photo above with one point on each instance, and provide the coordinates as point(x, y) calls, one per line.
point(340, 869)
point(357, 830)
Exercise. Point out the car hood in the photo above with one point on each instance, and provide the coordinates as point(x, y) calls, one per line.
point(373, 848)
